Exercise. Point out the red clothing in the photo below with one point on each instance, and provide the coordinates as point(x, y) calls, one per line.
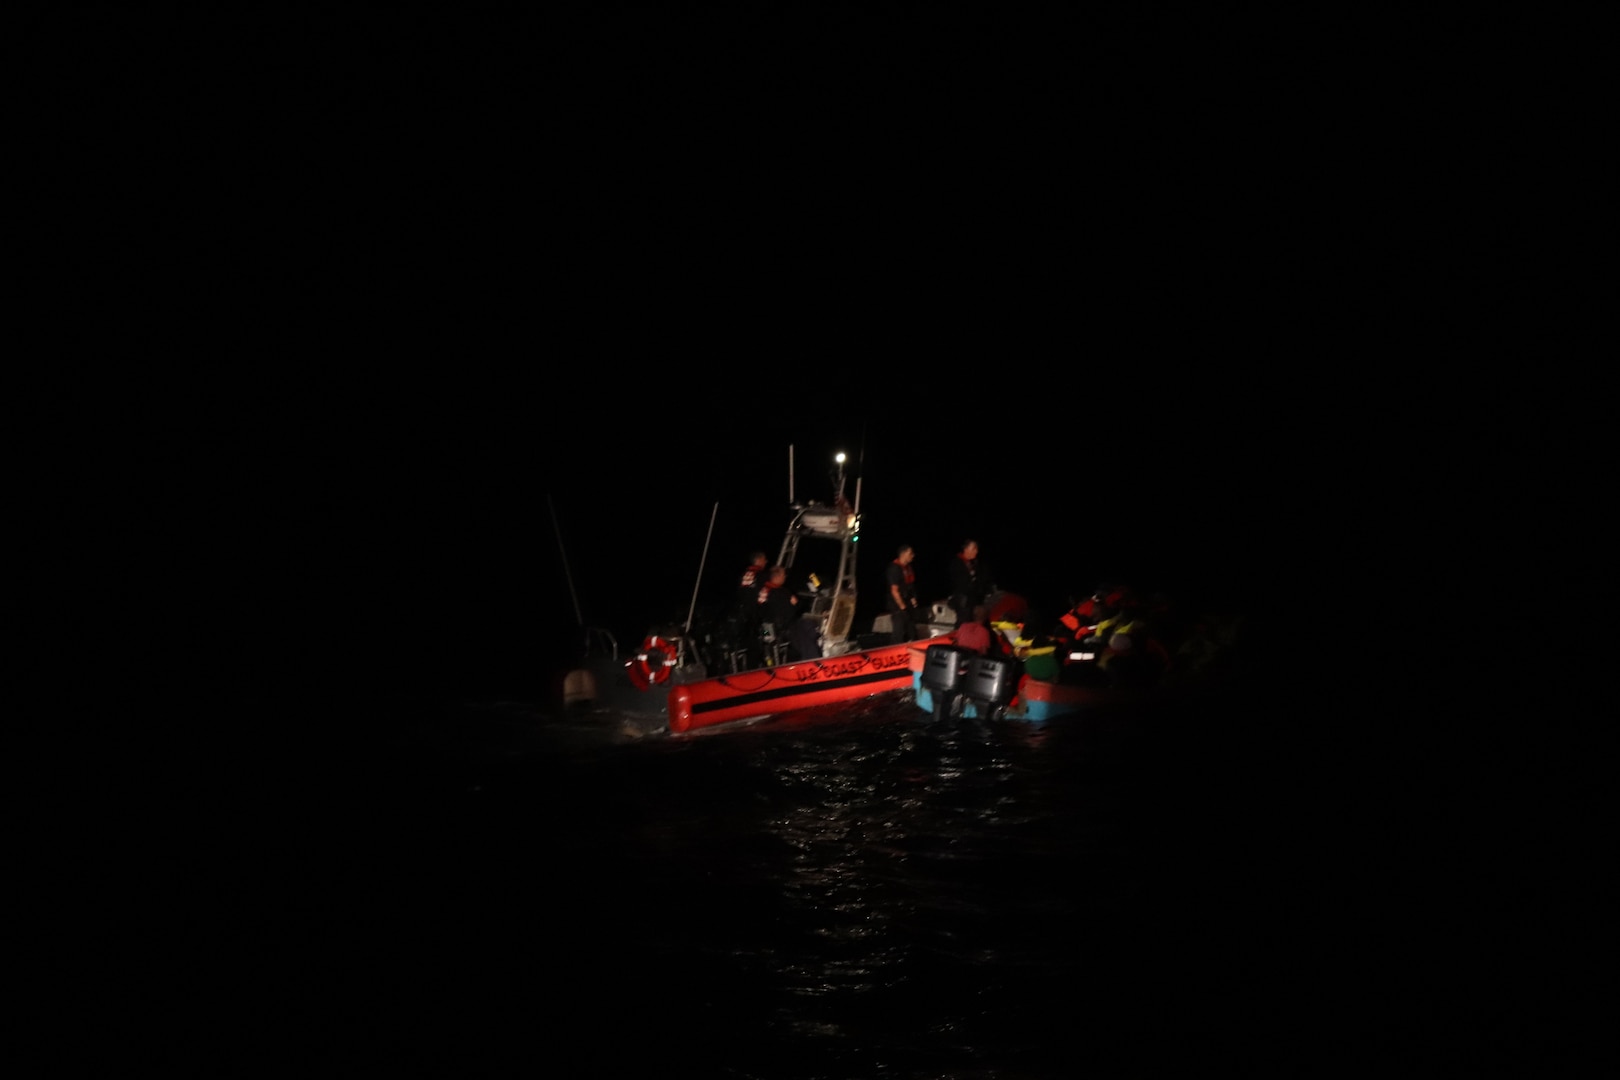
point(748, 590)
point(975, 636)
point(1009, 607)
point(1085, 614)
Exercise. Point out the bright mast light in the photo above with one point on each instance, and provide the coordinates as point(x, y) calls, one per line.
point(849, 521)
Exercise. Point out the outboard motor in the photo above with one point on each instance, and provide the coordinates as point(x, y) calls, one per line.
point(943, 669)
point(990, 683)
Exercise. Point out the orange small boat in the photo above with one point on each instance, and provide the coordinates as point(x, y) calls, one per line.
point(678, 680)
point(800, 685)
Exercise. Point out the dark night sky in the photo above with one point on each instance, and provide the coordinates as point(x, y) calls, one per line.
point(340, 302)
point(407, 278)
point(432, 553)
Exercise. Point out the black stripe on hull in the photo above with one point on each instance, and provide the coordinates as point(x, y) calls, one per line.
point(902, 676)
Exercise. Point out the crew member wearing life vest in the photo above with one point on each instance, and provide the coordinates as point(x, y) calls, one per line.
point(753, 576)
point(901, 602)
point(741, 633)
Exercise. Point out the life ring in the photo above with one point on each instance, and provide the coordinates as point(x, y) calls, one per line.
point(652, 662)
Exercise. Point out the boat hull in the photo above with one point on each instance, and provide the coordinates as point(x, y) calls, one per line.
point(804, 684)
point(1033, 700)
point(1037, 700)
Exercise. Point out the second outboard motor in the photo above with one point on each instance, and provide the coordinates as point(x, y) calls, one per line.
point(990, 683)
point(943, 669)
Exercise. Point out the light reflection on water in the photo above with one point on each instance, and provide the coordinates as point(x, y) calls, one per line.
point(884, 885)
point(863, 894)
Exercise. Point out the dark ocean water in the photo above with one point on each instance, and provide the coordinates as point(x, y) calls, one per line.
point(490, 887)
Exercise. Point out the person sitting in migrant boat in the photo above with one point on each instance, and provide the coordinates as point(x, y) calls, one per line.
point(1089, 623)
point(1080, 620)
point(975, 634)
point(1007, 606)
point(1115, 604)
point(1134, 659)
point(1131, 616)
point(1133, 656)
point(1007, 634)
point(1038, 652)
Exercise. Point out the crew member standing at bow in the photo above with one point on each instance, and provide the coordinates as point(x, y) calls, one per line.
point(976, 637)
point(902, 599)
